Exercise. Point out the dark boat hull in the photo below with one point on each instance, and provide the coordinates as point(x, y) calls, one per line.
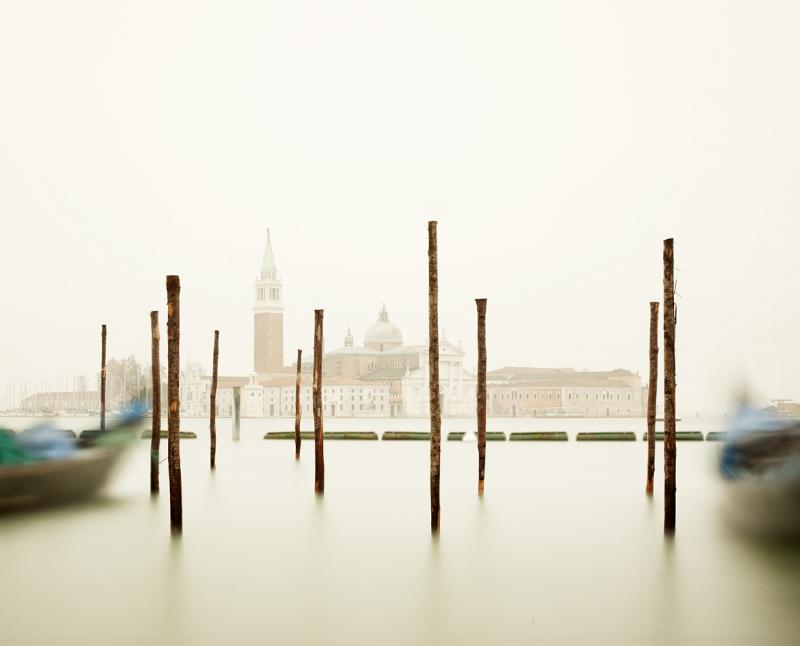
point(57, 481)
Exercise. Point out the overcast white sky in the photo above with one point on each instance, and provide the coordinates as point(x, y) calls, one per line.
point(557, 143)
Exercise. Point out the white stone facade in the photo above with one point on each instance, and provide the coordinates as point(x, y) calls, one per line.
point(457, 387)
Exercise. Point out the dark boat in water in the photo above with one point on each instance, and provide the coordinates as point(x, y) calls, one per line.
point(46, 466)
point(51, 482)
point(760, 467)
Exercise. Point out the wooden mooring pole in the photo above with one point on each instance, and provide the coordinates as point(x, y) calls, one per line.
point(481, 392)
point(652, 387)
point(433, 371)
point(237, 409)
point(297, 408)
point(103, 373)
point(212, 426)
point(670, 453)
point(173, 394)
point(155, 424)
point(316, 389)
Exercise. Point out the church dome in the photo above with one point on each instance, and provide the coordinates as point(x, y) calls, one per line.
point(383, 334)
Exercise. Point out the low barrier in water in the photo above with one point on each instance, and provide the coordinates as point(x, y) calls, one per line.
point(691, 436)
point(184, 435)
point(406, 435)
point(491, 436)
point(607, 437)
point(327, 435)
point(540, 436)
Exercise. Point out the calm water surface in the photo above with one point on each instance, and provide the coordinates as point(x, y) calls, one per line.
point(563, 548)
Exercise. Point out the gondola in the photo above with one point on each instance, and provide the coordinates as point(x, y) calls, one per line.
point(760, 469)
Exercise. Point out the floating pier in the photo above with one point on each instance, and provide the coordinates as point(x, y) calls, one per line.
point(491, 436)
point(406, 435)
point(329, 435)
point(540, 436)
point(691, 436)
point(606, 437)
point(184, 435)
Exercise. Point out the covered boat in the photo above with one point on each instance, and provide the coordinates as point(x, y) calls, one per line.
point(44, 466)
point(760, 467)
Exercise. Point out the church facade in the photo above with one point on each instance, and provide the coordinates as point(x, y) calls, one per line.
point(383, 377)
point(384, 358)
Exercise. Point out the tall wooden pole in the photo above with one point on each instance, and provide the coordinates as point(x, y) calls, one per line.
point(652, 387)
point(237, 410)
point(481, 393)
point(670, 453)
point(155, 426)
point(316, 389)
point(173, 394)
point(103, 377)
point(433, 364)
point(297, 406)
point(213, 402)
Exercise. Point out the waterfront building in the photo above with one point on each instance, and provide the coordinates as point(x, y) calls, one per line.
point(384, 358)
point(564, 392)
point(275, 397)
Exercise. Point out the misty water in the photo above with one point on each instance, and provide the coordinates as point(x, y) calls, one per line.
point(564, 547)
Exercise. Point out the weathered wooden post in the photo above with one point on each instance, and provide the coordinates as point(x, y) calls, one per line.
point(213, 402)
point(433, 365)
point(652, 387)
point(670, 453)
point(237, 407)
point(173, 394)
point(297, 407)
point(316, 390)
point(103, 377)
point(155, 425)
point(481, 392)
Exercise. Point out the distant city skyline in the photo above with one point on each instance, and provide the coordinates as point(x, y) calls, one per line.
point(556, 144)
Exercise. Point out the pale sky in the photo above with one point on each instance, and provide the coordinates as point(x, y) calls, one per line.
point(557, 144)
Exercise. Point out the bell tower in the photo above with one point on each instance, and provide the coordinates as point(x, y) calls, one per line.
point(268, 316)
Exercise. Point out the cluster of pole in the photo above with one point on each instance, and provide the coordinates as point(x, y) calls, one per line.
point(173, 395)
point(316, 389)
point(670, 448)
point(212, 426)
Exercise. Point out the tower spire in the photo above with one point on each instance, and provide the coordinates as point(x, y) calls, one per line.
point(268, 267)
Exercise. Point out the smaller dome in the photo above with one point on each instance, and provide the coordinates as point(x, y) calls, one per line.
point(383, 334)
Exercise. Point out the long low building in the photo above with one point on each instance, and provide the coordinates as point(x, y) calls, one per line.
point(275, 397)
point(564, 392)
